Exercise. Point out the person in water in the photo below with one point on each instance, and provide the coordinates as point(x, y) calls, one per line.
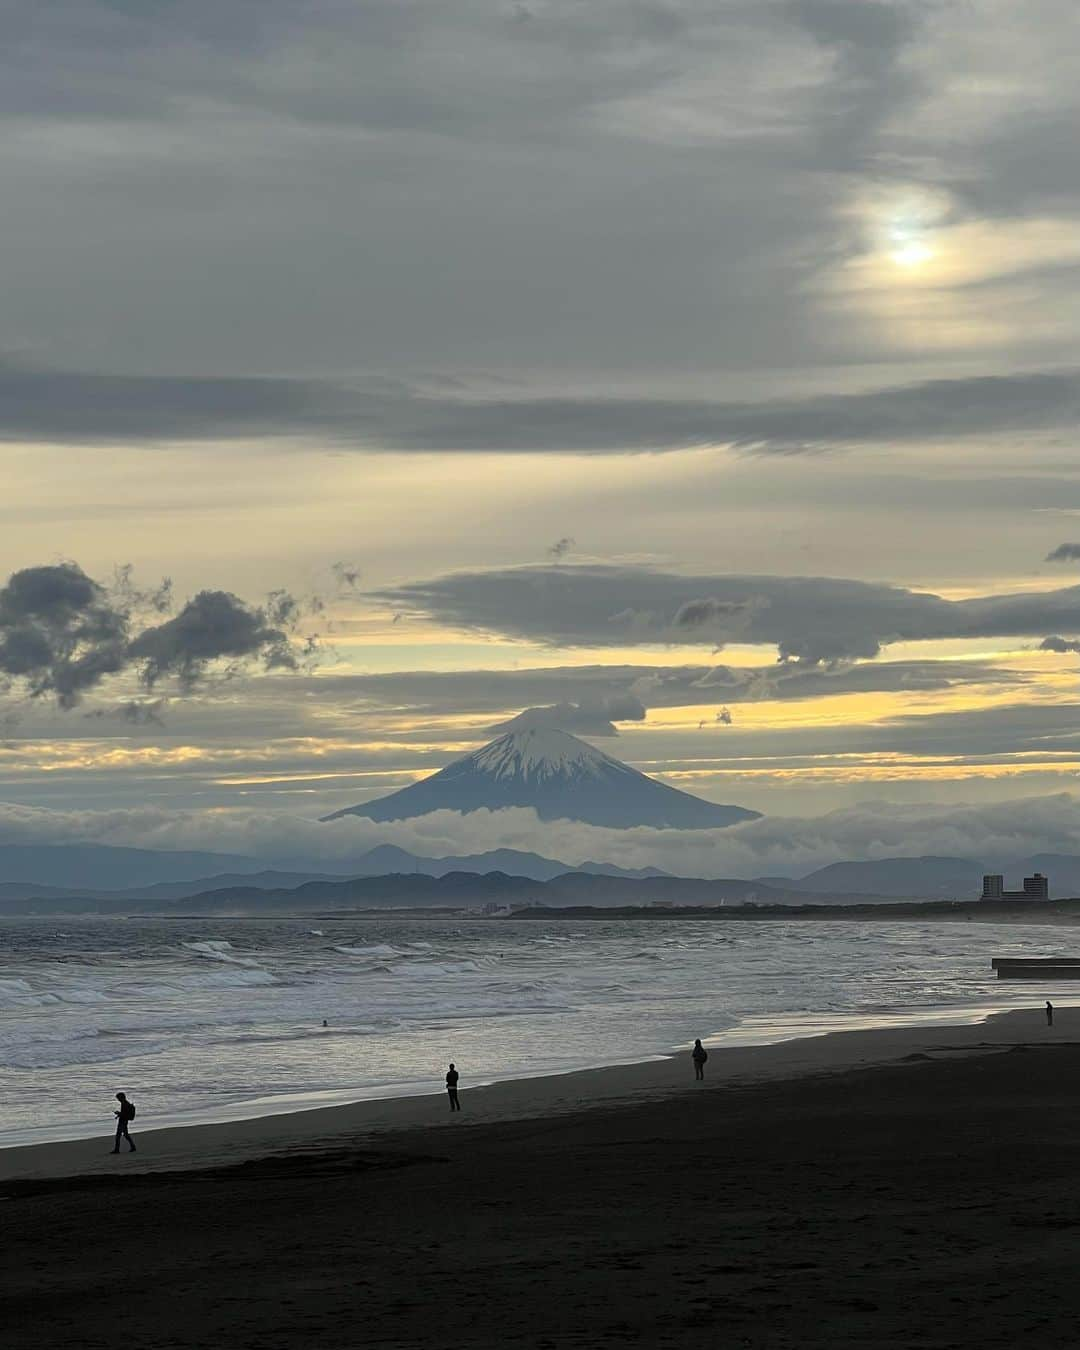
point(451, 1088)
point(1049, 1013)
point(699, 1055)
point(124, 1117)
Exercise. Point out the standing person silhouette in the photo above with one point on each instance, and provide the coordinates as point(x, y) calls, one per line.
point(1049, 1013)
point(124, 1117)
point(699, 1055)
point(451, 1088)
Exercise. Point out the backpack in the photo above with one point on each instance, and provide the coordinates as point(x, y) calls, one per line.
point(131, 1110)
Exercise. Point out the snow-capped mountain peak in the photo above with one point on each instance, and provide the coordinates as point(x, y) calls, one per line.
point(539, 753)
point(557, 776)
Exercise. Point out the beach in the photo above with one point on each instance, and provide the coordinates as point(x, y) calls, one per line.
point(908, 1186)
point(205, 1021)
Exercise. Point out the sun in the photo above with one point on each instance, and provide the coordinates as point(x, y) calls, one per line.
point(911, 253)
point(907, 229)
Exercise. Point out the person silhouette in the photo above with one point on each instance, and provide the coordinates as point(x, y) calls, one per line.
point(1049, 1013)
point(451, 1088)
point(124, 1117)
point(699, 1055)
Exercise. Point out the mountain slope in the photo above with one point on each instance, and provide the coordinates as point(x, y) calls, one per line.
point(559, 777)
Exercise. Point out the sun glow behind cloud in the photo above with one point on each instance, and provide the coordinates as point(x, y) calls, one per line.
point(911, 253)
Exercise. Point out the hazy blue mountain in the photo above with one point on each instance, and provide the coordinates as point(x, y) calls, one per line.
point(103, 867)
point(399, 890)
point(936, 878)
point(384, 860)
point(462, 889)
point(602, 869)
point(388, 858)
point(929, 877)
point(561, 778)
point(12, 892)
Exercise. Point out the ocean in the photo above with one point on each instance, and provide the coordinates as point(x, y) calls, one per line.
point(217, 1019)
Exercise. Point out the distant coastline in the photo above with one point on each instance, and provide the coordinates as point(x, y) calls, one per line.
point(1049, 911)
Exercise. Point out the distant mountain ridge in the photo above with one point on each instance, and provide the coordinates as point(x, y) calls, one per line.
point(559, 777)
point(53, 865)
point(32, 877)
point(469, 889)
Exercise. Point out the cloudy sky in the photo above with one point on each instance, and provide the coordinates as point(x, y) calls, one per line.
point(706, 374)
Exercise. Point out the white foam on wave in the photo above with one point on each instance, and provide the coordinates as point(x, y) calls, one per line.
point(217, 950)
point(16, 993)
point(442, 967)
point(80, 996)
point(379, 949)
point(240, 977)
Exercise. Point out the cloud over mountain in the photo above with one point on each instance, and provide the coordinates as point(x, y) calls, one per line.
point(873, 829)
point(810, 620)
point(583, 719)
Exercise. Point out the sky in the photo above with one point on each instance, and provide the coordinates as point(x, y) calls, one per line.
point(702, 378)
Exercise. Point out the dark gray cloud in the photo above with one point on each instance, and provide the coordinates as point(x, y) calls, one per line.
point(582, 719)
point(434, 161)
point(430, 161)
point(979, 735)
point(38, 404)
point(212, 626)
point(1064, 553)
point(808, 619)
point(1054, 643)
point(346, 574)
point(62, 633)
point(720, 618)
point(871, 81)
point(59, 632)
point(134, 713)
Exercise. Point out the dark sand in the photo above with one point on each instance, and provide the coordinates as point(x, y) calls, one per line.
point(929, 1202)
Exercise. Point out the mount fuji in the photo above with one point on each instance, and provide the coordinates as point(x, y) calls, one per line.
point(561, 778)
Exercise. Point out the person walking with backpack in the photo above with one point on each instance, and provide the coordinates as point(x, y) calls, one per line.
point(124, 1117)
point(451, 1088)
point(699, 1055)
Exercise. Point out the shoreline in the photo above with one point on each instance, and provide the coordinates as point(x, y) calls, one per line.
point(316, 1129)
point(755, 1032)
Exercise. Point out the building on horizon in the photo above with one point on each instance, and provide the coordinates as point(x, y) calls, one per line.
point(1036, 887)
